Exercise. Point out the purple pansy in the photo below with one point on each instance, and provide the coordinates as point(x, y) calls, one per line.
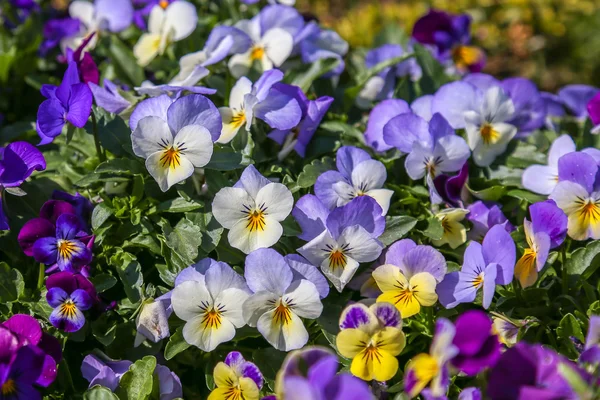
point(449, 189)
point(108, 97)
point(88, 70)
point(529, 371)
point(21, 374)
point(69, 295)
point(485, 266)
point(357, 175)
point(70, 102)
point(298, 137)
point(530, 107)
point(18, 160)
point(311, 373)
point(244, 368)
point(576, 98)
point(484, 216)
point(593, 109)
point(316, 43)
point(349, 236)
point(432, 147)
point(478, 347)
point(56, 30)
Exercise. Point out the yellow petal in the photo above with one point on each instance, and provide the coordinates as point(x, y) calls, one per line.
point(425, 368)
point(147, 48)
point(389, 277)
point(423, 287)
point(389, 339)
point(249, 389)
point(351, 341)
point(404, 301)
point(362, 366)
point(224, 376)
point(385, 366)
point(455, 234)
point(220, 394)
point(526, 269)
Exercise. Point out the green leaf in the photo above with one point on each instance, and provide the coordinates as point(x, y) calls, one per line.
point(115, 136)
point(311, 172)
point(396, 227)
point(176, 344)
point(184, 239)
point(144, 241)
point(434, 229)
point(124, 60)
point(99, 393)
point(130, 273)
point(101, 213)
point(136, 383)
point(569, 326)
point(526, 195)
point(179, 205)
point(11, 284)
point(225, 159)
point(103, 282)
point(211, 229)
point(317, 69)
point(345, 129)
point(119, 166)
point(434, 74)
point(493, 193)
point(584, 261)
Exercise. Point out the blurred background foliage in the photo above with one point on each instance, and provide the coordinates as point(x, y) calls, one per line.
point(553, 42)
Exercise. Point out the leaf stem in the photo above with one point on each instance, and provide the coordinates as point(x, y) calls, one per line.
point(99, 151)
point(41, 276)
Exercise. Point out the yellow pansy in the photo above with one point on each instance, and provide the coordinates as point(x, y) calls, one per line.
point(455, 233)
point(231, 386)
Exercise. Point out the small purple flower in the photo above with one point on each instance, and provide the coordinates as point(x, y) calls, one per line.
point(69, 295)
point(357, 175)
point(485, 266)
point(593, 109)
point(70, 102)
point(108, 97)
point(542, 179)
point(66, 247)
point(311, 373)
point(478, 347)
point(484, 216)
point(18, 160)
point(88, 70)
point(317, 43)
point(591, 353)
point(529, 371)
point(298, 137)
point(20, 376)
point(576, 98)
point(449, 189)
point(56, 30)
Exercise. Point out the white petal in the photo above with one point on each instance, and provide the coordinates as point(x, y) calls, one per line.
point(181, 17)
point(305, 298)
point(241, 237)
point(313, 250)
point(266, 64)
point(83, 11)
point(197, 142)
point(239, 64)
point(187, 298)
point(232, 300)
point(152, 134)
point(256, 305)
point(251, 27)
point(382, 197)
point(278, 45)
point(340, 277)
point(230, 128)
point(228, 206)
point(165, 175)
point(156, 20)
point(187, 64)
point(540, 179)
point(497, 106)
point(369, 174)
point(207, 338)
point(345, 192)
point(567, 194)
point(416, 161)
point(453, 151)
point(283, 337)
point(362, 247)
point(241, 88)
point(277, 198)
point(485, 154)
point(147, 48)
point(473, 123)
point(562, 145)
point(369, 92)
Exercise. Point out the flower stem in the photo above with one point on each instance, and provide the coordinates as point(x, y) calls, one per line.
point(41, 276)
point(99, 151)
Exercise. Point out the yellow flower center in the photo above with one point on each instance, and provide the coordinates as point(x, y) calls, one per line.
point(212, 318)
point(590, 212)
point(256, 220)
point(282, 315)
point(446, 226)
point(371, 353)
point(238, 119)
point(478, 281)
point(68, 309)
point(489, 134)
point(234, 393)
point(337, 259)
point(171, 157)
point(257, 53)
point(465, 56)
point(8, 388)
point(66, 248)
point(426, 368)
point(163, 4)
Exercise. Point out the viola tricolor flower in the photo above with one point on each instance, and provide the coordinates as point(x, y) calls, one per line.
point(577, 194)
point(507, 329)
point(380, 115)
point(371, 337)
point(259, 100)
point(282, 295)
point(349, 238)
point(432, 147)
point(575, 98)
point(357, 175)
point(310, 373)
point(478, 347)
point(542, 179)
point(454, 233)
point(593, 109)
point(485, 266)
point(252, 210)
point(449, 189)
point(70, 102)
point(108, 97)
point(211, 307)
point(236, 378)
point(152, 323)
point(317, 44)
point(69, 295)
point(547, 230)
point(18, 160)
point(483, 216)
point(297, 138)
point(165, 26)
point(432, 368)
point(174, 137)
point(409, 276)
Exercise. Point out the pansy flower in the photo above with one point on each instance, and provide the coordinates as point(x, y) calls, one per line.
point(259, 100)
point(142, 9)
point(357, 175)
point(432, 368)
point(485, 266)
point(371, 337)
point(485, 215)
point(70, 102)
point(542, 179)
point(380, 115)
point(175, 88)
point(21, 375)
point(317, 43)
point(409, 276)
point(593, 109)
point(174, 137)
point(282, 295)
point(478, 346)
point(349, 238)
point(432, 147)
point(252, 210)
point(236, 378)
point(591, 352)
point(18, 160)
point(108, 97)
point(211, 307)
point(165, 26)
point(152, 323)
point(272, 40)
point(454, 232)
point(578, 196)
point(55, 30)
point(449, 189)
point(575, 98)
point(547, 230)
point(69, 295)
point(297, 138)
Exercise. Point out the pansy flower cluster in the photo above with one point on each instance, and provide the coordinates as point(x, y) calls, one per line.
point(223, 200)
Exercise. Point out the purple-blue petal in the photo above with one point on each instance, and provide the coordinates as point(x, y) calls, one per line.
point(498, 247)
point(50, 120)
point(576, 98)
point(348, 157)
point(548, 218)
point(405, 129)
point(19, 160)
point(194, 109)
point(79, 105)
point(82, 299)
point(363, 211)
point(56, 296)
point(578, 167)
point(311, 215)
point(381, 114)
